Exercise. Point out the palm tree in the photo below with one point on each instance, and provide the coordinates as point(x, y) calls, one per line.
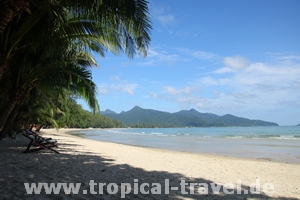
point(11, 12)
point(67, 72)
point(38, 108)
point(11, 9)
point(54, 42)
point(101, 24)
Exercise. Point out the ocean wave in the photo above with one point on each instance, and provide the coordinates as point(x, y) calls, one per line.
point(287, 137)
point(235, 137)
point(157, 133)
point(254, 136)
point(259, 137)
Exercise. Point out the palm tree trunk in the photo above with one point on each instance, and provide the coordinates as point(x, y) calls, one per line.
point(3, 65)
point(6, 112)
point(6, 16)
point(11, 119)
point(10, 9)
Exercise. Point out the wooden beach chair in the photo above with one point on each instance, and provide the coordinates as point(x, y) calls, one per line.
point(39, 142)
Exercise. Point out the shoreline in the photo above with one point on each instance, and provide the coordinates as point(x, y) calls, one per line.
point(68, 132)
point(262, 165)
point(252, 154)
point(81, 160)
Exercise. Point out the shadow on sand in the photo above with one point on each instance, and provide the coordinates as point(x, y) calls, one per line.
point(47, 167)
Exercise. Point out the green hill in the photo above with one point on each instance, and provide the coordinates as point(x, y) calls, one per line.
point(139, 117)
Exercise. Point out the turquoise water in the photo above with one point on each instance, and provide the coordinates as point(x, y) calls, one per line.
point(278, 143)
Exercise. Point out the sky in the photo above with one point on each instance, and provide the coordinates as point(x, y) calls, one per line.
point(222, 57)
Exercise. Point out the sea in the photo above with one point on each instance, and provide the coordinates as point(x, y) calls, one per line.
point(273, 143)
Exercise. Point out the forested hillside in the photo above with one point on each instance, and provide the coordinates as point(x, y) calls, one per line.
point(147, 118)
point(76, 117)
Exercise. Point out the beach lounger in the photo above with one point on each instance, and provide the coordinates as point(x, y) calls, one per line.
point(39, 142)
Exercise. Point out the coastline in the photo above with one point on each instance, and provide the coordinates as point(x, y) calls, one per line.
point(81, 160)
point(228, 145)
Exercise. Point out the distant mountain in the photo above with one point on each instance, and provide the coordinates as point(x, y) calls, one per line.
point(107, 112)
point(140, 117)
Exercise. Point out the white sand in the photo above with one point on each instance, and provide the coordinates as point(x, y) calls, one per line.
point(81, 160)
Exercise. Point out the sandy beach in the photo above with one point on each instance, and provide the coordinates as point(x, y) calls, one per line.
point(180, 175)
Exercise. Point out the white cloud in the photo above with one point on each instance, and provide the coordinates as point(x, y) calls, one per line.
point(290, 57)
point(241, 87)
point(125, 87)
point(119, 85)
point(115, 78)
point(285, 57)
point(171, 90)
point(186, 90)
point(224, 70)
point(209, 80)
point(166, 19)
point(183, 33)
point(236, 62)
point(191, 101)
point(259, 74)
point(197, 54)
point(295, 84)
point(153, 94)
point(256, 91)
point(204, 55)
point(162, 14)
point(259, 86)
point(161, 57)
point(103, 89)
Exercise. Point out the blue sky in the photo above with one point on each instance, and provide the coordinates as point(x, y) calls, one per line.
point(236, 57)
